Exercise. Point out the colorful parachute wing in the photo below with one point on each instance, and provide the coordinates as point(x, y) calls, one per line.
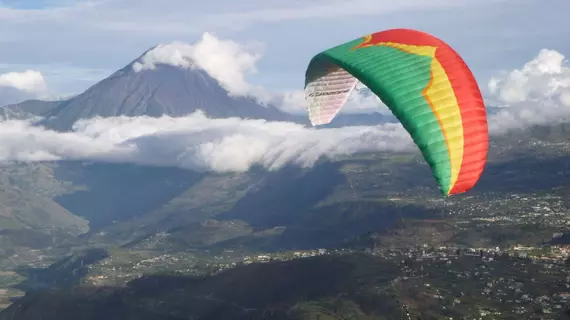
point(426, 85)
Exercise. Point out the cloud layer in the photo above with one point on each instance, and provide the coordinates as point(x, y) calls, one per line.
point(194, 142)
point(537, 93)
point(227, 61)
point(19, 86)
point(231, 63)
point(29, 81)
point(104, 35)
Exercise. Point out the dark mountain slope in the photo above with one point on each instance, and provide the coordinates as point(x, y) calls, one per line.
point(259, 291)
point(165, 90)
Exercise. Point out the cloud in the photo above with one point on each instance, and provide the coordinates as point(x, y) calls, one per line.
point(533, 94)
point(153, 17)
point(227, 61)
point(231, 63)
point(536, 94)
point(30, 81)
point(362, 100)
point(330, 9)
point(105, 34)
point(19, 86)
point(194, 142)
point(64, 80)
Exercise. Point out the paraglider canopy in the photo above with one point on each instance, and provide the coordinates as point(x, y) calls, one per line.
point(425, 84)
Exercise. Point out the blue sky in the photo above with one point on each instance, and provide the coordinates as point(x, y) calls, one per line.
point(76, 43)
point(33, 4)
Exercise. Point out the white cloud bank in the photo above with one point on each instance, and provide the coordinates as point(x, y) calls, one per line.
point(227, 61)
point(535, 94)
point(538, 93)
point(19, 86)
point(230, 63)
point(29, 81)
point(194, 142)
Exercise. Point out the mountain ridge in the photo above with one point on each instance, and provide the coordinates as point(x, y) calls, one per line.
point(164, 90)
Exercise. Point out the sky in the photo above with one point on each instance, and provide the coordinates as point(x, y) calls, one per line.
point(516, 49)
point(75, 43)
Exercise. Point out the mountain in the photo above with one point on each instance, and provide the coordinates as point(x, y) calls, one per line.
point(130, 204)
point(22, 210)
point(34, 227)
point(50, 210)
point(298, 289)
point(10, 95)
point(114, 194)
point(27, 109)
point(442, 285)
point(164, 90)
point(165, 211)
point(111, 193)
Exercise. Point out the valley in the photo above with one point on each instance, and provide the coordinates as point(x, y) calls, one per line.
point(206, 224)
point(354, 235)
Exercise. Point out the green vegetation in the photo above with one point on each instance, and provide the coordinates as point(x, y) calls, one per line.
point(267, 291)
point(169, 243)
